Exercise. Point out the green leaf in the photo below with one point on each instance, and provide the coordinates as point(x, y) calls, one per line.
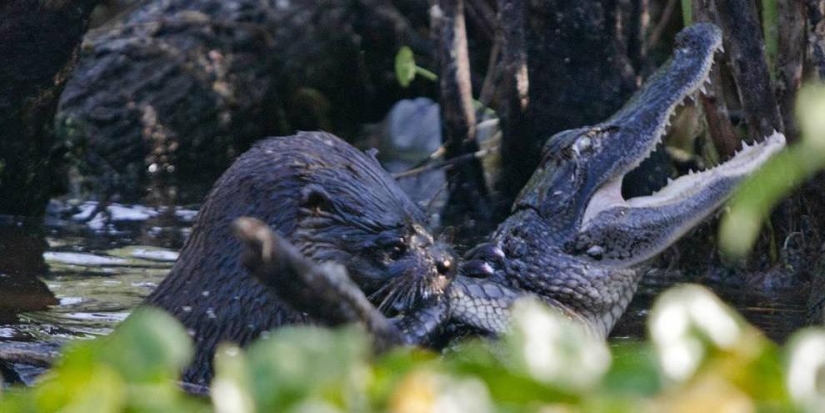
point(687, 12)
point(150, 346)
point(405, 66)
point(296, 364)
point(634, 369)
point(135, 368)
point(96, 389)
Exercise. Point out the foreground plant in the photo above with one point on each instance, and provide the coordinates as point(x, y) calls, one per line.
point(701, 355)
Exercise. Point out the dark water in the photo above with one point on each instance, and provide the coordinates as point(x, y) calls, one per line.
point(81, 270)
point(777, 310)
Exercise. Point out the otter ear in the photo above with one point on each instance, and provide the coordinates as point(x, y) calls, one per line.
point(315, 198)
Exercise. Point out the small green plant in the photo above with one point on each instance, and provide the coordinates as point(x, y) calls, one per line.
point(406, 69)
point(133, 369)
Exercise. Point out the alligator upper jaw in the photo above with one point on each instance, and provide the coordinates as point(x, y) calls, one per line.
point(631, 135)
point(640, 124)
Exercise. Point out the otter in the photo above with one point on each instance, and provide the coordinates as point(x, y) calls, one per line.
point(334, 203)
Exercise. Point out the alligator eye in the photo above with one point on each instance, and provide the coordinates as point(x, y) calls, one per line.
point(596, 252)
point(397, 251)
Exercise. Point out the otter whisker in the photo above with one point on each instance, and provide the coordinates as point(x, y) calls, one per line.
point(390, 292)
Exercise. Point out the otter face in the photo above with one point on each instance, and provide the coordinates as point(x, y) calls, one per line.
point(393, 258)
point(403, 268)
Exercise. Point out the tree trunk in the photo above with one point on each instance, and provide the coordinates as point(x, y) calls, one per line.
point(175, 89)
point(579, 74)
point(38, 49)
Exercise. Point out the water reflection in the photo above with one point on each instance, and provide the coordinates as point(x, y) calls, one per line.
point(776, 310)
point(21, 263)
point(84, 269)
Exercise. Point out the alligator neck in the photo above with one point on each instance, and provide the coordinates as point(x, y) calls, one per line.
point(535, 261)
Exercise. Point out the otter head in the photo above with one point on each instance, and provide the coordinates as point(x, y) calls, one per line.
point(377, 233)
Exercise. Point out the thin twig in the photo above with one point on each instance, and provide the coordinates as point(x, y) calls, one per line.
point(468, 195)
point(659, 29)
point(444, 164)
point(720, 128)
point(790, 56)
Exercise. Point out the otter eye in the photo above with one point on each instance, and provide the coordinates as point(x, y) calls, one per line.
point(397, 250)
point(315, 199)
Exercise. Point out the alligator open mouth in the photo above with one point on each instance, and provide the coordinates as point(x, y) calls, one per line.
point(744, 162)
point(634, 229)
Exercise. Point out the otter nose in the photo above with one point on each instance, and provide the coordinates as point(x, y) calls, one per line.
point(444, 266)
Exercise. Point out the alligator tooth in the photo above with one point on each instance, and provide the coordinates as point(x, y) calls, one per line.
point(703, 89)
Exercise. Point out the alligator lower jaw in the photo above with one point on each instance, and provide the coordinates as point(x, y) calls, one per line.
point(744, 162)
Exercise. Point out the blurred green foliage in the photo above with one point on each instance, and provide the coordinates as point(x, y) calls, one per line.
point(781, 174)
point(701, 356)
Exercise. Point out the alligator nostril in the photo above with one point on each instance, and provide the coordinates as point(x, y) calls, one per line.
point(477, 269)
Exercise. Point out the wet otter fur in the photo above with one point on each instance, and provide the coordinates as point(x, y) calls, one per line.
point(327, 198)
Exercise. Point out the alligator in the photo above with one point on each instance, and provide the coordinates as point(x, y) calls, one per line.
point(572, 240)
